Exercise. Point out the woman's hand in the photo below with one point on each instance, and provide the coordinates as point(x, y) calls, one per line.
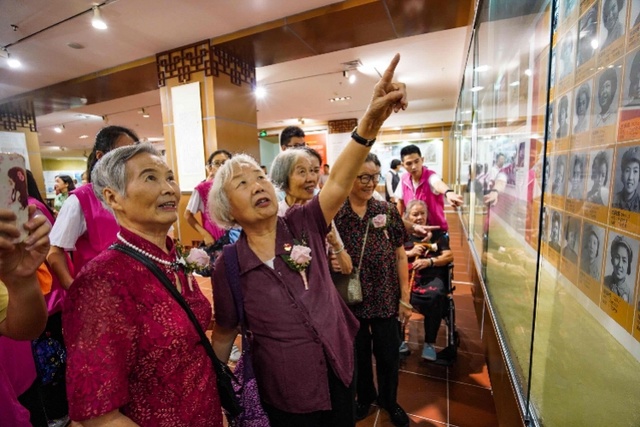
point(22, 259)
point(421, 264)
point(404, 313)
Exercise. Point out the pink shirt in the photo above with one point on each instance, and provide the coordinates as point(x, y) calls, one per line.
point(435, 202)
point(17, 373)
point(132, 347)
point(208, 224)
point(101, 227)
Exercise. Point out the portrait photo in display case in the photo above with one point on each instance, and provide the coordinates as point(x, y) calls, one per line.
point(562, 116)
point(621, 265)
point(626, 195)
point(567, 8)
point(554, 230)
point(572, 239)
point(631, 94)
point(599, 177)
point(550, 132)
point(546, 184)
point(559, 175)
point(591, 253)
point(566, 55)
point(612, 22)
point(577, 175)
point(582, 110)
point(543, 226)
point(587, 36)
point(606, 108)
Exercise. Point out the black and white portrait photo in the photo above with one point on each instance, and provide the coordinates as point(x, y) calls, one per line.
point(571, 238)
point(562, 117)
point(576, 177)
point(587, 36)
point(582, 107)
point(559, 175)
point(607, 96)
point(612, 22)
point(566, 54)
point(554, 231)
point(631, 93)
point(620, 267)
point(599, 177)
point(627, 177)
point(591, 255)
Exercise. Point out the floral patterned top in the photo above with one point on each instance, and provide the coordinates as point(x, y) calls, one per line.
point(378, 273)
point(132, 347)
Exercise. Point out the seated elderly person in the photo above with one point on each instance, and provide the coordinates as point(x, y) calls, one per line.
point(133, 354)
point(429, 275)
point(302, 331)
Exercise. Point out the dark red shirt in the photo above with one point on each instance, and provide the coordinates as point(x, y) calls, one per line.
point(379, 273)
point(295, 331)
point(132, 347)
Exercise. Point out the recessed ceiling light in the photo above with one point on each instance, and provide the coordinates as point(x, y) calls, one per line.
point(74, 45)
point(83, 136)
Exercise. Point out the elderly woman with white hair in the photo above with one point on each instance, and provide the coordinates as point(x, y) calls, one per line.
point(134, 356)
point(296, 172)
point(302, 332)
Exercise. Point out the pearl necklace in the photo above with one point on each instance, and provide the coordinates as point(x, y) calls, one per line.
point(173, 265)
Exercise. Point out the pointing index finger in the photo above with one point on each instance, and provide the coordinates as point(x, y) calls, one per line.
point(388, 73)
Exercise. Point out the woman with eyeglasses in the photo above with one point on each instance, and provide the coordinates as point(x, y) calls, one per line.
point(373, 231)
point(208, 229)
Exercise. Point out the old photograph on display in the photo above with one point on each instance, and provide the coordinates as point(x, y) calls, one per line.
point(627, 177)
point(577, 174)
point(599, 177)
point(566, 54)
point(567, 8)
point(612, 22)
point(543, 226)
point(582, 110)
point(554, 230)
point(559, 175)
point(571, 239)
point(620, 266)
point(587, 36)
point(552, 74)
point(550, 131)
point(631, 94)
point(607, 91)
point(563, 106)
point(591, 253)
point(546, 183)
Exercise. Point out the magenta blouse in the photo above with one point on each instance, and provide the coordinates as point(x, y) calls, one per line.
point(132, 347)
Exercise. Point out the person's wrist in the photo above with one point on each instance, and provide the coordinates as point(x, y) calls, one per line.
point(337, 251)
point(406, 304)
point(448, 191)
point(431, 259)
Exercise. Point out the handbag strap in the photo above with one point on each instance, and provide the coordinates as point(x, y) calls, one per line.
point(364, 243)
point(162, 277)
point(232, 267)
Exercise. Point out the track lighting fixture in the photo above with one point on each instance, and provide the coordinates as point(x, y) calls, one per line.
point(97, 21)
point(58, 129)
point(144, 113)
point(11, 61)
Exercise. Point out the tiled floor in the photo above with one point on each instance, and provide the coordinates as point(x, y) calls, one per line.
point(433, 395)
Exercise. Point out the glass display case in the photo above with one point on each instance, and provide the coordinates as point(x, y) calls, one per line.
point(548, 135)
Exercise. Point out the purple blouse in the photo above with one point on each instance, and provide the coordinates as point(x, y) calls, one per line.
point(296, 332)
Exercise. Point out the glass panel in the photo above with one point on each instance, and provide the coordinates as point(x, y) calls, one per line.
point(553, 206)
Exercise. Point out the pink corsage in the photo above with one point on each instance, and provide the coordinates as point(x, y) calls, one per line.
point(298, 259)
point(380, 221)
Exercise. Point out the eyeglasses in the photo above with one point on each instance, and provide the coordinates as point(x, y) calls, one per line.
point(299, 145)
point(217, 163)
point(366, 178)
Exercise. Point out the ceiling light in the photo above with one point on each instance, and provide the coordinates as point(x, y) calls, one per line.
point(594, 43)
point(352, 78)
point(83, 136)
point(11, 61)
point(97, 21)
point(58, 129)
point(340, 98)
point(144, 113)
point(260, 92)
point(476, 88)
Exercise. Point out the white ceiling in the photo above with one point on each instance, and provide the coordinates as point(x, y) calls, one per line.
point(431, 64)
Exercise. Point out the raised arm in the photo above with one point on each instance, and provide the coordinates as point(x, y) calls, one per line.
point(387, 97)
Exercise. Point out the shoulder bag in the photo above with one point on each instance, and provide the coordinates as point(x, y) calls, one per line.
point(348, 285)
point(224, 377)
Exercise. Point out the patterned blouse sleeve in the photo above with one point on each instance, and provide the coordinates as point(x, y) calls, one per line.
point(101, 336)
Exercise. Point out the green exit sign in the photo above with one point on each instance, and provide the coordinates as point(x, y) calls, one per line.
point(263, 133)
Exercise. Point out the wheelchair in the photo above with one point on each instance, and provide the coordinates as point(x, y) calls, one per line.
point(448, 355)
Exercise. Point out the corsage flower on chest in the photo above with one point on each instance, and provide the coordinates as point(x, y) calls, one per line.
point(196, 260)
point(380, 222)
point(298, 258)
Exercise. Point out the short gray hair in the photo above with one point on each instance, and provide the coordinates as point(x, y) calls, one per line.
point(411, 204)
point(218, 205)
point(283, 166)
point(110, 171)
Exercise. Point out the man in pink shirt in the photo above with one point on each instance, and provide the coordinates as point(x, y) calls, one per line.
point(424, 184)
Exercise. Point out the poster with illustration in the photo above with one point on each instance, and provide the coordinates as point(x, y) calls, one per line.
point(13, 189)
